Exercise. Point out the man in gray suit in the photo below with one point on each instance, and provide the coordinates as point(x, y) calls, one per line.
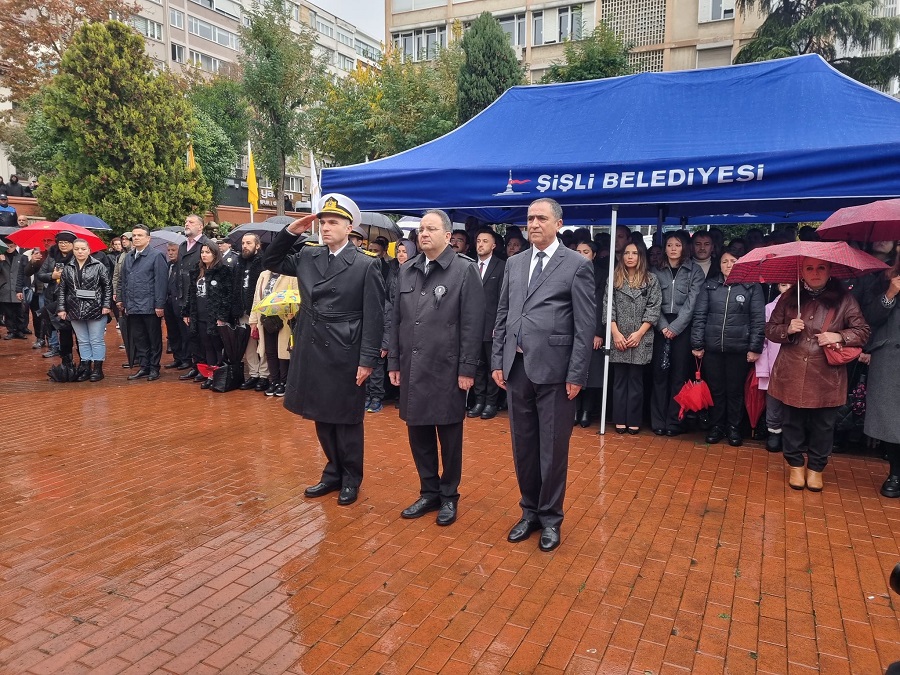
point(542, 349)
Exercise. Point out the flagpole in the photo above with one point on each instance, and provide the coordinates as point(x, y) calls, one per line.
point(249, 159)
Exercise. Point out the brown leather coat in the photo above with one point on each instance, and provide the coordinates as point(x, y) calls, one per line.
point(801, 377)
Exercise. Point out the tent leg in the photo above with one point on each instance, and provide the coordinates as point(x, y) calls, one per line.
point(609, 301)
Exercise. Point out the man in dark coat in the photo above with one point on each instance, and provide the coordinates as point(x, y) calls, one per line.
point(490, 268)
point(337, 337)
point(12, 262)
point(247, 270)
point(189, 263)
point(142, 294)
point(436, 335)
point(180, 353)
point(542, 349)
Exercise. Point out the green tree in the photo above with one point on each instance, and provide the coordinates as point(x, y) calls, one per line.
point(27, 138)
point(600, 54)
point(340, 125)
point(834, 29)
point(490, 67)
point(121, 132)
point(282, 78)
point(214, 153)
point(222, 99)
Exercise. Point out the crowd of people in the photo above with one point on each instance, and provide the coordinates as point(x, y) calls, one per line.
point(461, 324)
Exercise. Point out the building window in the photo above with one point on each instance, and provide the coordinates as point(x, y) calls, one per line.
point(345, 62)
point(570, 23)
point(514, 27)
point(205, 62)
point(212, 33)
point(344, 38)
point(176, 18)
point(368, 51)
point(325, 28)
point(717, 10)
point(643, 24)
point(177, 53)
point(422, 44)
point(209, 4)
point(293, 184)
point(147, 28)
point(295, 12)
point(537, 28)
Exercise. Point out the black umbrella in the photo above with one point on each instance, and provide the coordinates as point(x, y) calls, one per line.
point(234, 340)
point(266, 232)
point(280, 220)
point(379, 225)
point(172, 228)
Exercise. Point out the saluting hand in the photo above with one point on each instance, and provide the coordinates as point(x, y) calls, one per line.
point(301, 225)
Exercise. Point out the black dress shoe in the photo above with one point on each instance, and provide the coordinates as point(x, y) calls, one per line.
point(447, 514)
point(634, 431)
point(420, 507)
point(189, 375)
point(206, 384)
point(320, 489)
point(489, 412)
point(584, 419)
point(659, 432)
point(262, 385)
point(891, 487)
point(154, 375)
point(348, 495)
point(621, 430)
point(673, 432)
point(200, 378)
point(522, 530)
point(249, 384)
point(773, 443)
point(549, 538)
point(714, 436)
point(734, 437)
point(475, 410)
point(169, 366)
point(143, 372)
point(183, 365)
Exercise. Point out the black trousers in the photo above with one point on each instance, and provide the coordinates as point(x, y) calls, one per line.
point(174, 324)
point(628, 394)
point(588, 399)
point(12, 311)
point(127, 339)
point(375, 383)
point(66, 341)
point(485, 389)
point(343, 446)
point(146, 332)
point(540, 422)
point(193, 348)
point(809, 430)
point(211, 344)
point(892, 450)
point(278, 368)
point(667, 383)
point(423, 441)
point(726, 373)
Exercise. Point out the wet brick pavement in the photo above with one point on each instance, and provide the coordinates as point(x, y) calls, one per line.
point(154, 527)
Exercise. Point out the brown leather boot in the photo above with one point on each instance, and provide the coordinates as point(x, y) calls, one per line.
point(797, 479)
point(813, 480)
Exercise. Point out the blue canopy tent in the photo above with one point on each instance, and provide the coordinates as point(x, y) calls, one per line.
point(791, 139)
point(773, 138)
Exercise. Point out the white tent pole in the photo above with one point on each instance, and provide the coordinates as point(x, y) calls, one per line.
point(609, 302)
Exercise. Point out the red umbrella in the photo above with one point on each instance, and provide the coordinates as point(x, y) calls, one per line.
point(694, 394)
point(754, 398)
point(42, 235)
point(878, 221)
point(781, 263)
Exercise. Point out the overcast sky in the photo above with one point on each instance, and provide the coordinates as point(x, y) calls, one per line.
point(367, 15)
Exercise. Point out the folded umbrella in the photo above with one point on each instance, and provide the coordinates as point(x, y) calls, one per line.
point(694, 395)
point(234, 341)
point(754, 398)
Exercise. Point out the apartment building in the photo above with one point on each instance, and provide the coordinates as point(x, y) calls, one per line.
point(667, 34)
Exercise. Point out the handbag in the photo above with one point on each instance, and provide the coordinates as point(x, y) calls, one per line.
point(272, 324)
point(838, 355)
point(227, 377)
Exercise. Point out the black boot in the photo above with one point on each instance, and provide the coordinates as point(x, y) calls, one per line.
point(97, 373)
point(84, 371)
point(773, 442)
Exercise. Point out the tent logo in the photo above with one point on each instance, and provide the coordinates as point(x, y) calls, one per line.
point(510, 190)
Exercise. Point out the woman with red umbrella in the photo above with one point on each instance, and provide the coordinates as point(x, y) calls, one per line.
point(810, 388)
point(883, 387)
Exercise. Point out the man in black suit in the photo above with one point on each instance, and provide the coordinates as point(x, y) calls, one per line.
point(337, 339)
point(542, 349)
point(490, 268)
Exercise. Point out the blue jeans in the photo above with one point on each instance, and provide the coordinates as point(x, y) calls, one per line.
point(91, 345)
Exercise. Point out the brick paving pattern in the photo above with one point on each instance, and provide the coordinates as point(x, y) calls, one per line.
point(158, 528)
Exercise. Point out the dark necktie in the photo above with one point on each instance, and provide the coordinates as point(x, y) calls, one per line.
point(481, 269)
point(330, 257)
point(537, 269)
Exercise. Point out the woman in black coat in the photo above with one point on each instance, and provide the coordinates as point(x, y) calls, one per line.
point(728, 333)
point(83, 298)
point(588, 399)
point(210, 304)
